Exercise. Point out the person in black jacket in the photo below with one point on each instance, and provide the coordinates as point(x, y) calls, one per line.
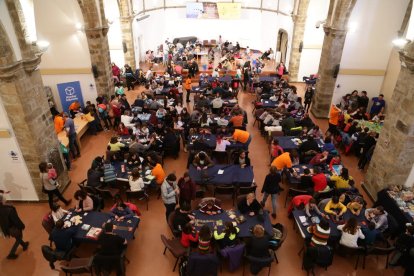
point(242, 159)
point(258, 249)
point(271, 187)
point(11, 226)
point(249, 206)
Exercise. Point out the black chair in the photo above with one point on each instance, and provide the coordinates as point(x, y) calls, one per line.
point(78, 266)
point(292, 192)
point(174, 231)
point(260, 262)
point(323, 195)
point(379, 251)
point(246, 190)
point(90, 190)
point(52, 255)
point(221, 157)
point(105, 264)
point(320, 255)
point(175, 247)
point(225, 190)
point(351, 251)
point(139, 195)
point(284, 231)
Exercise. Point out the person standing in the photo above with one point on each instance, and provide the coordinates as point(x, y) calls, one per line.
point(71, 134)
point(11, 226)
point(378, 105)
point(271, 187)
point(187, 189)
point(169, 193)
point(49, 186)
point(334, 119)
point(280, 70)
point(187, 87)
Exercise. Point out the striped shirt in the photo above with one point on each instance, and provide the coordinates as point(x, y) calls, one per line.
point(109, 173)
point(320, 236)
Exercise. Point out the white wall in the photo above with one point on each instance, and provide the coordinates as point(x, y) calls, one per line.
point(8, 26)
point(56, 23)
point(14, 175)
point(369, 45)
point(114, 33)
point(313, 38)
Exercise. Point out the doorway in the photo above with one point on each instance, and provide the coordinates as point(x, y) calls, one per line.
point(281, 46)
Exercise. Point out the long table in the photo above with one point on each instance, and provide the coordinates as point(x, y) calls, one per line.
point(81, 126)
point(230, 174)
point(245, 227)
point(210, 141)
point(287, 144)
point(335, 233)
point(124, 229)
point(301, 167)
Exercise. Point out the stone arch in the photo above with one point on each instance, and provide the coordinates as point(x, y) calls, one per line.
point(282, 43)
point(7, 55)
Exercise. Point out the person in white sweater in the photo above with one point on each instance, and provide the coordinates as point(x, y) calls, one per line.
point(136, 183)
point(351, 232)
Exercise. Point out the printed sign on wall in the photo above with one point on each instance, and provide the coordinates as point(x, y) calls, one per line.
point(68, 93)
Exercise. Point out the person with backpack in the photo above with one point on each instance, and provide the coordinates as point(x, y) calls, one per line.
point(103, 114)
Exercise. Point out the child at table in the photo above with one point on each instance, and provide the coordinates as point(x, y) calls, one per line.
point(204, 238)
point(210, 208)
point(228, 237)
point(187, 235)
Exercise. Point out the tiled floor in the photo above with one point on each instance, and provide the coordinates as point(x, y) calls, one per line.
point(145, 252)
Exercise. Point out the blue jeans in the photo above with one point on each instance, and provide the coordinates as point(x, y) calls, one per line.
point(265, 196)
point(73, 145)
point(246, 145)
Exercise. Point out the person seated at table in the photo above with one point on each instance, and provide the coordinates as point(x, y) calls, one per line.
point(133, 160)
point(308, 148)
point(403, 246)
point(204, 239)
point(320, 233)
point(315, 132)
point(188, 235)
point(237, 120)
point(58, 212)
point(328, 145)
point(122, 130)
point(111, 244)
point(351, 232)
point(210, 208)
point(182, 216)
point(378, 216)
point(336, 160)
point(297, 202)
point(320, 183)
point(221, 144)
point(202, 161)
point(335, 208)
point(217, 104)
point(306, 182)
point(312, 206)
point(275, 149)
point(74, 109)
point(242, 159)
point(63, 237)
point(241, 136)
point(205, 120)
point(356, 206)
point(94, 175)
point(222, 121)
point(319, 159)
point(286, 160)
point(122, 212)
point(109, 174)
point(136, 183)
point(84, 201)
point(228, 237)
point(343, 181)
point(114, 145)
point(258, 247)
point(250, 205)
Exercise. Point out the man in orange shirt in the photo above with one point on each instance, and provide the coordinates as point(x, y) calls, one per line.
point(241, 136)
point(74, 108)
point(334, 118)
point(59, 123)
point(159, 174)
point(237, 120)
point(285, 160)
point(187, 87)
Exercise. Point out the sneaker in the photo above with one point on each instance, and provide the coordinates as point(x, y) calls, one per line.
point(12, 256)
point(273, 215)
point(25, 246)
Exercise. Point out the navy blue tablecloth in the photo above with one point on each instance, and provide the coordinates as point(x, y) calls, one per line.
point(221, 79)
point(97, 219)
point(268, 104)
point(233, 174)
point(244, 227)
point(268, 79)
point(335, 233)
point(287, 144)
point(198, 89)
point(210, 141)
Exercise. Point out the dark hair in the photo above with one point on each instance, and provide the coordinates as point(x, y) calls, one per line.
point(121, 204)
point(273, 170)
point(59, 224)
point(230, 229)
point(80, 194)
point(113, 140)
point(55, 207)
point(316, 170)
point(171, 177)
point(187, 228)
point(371, 225)
point(108, 227)
point(135, 174)
point(351, 226)
point(381, 209)
point(306, 171)
point(335, 199)
point(324, 224)
point(345, 174)
point(185, 207)
point(327, 139)
point(205, 233)
point(43, 167)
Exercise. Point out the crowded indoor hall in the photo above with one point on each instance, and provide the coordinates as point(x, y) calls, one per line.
point(202, 138)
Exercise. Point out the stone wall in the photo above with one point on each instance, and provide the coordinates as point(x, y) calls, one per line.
point(126, 30)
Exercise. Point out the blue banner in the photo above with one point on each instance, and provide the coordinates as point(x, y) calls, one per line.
point(68, 93)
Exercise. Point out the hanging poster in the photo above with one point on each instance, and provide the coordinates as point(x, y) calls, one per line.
point(68, 93)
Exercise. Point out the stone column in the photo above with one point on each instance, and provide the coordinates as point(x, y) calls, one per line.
point(96, 29)
point(125, 18)
point(299, 21)
point(25, 102)
point(394, 153)
point(333, 43)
